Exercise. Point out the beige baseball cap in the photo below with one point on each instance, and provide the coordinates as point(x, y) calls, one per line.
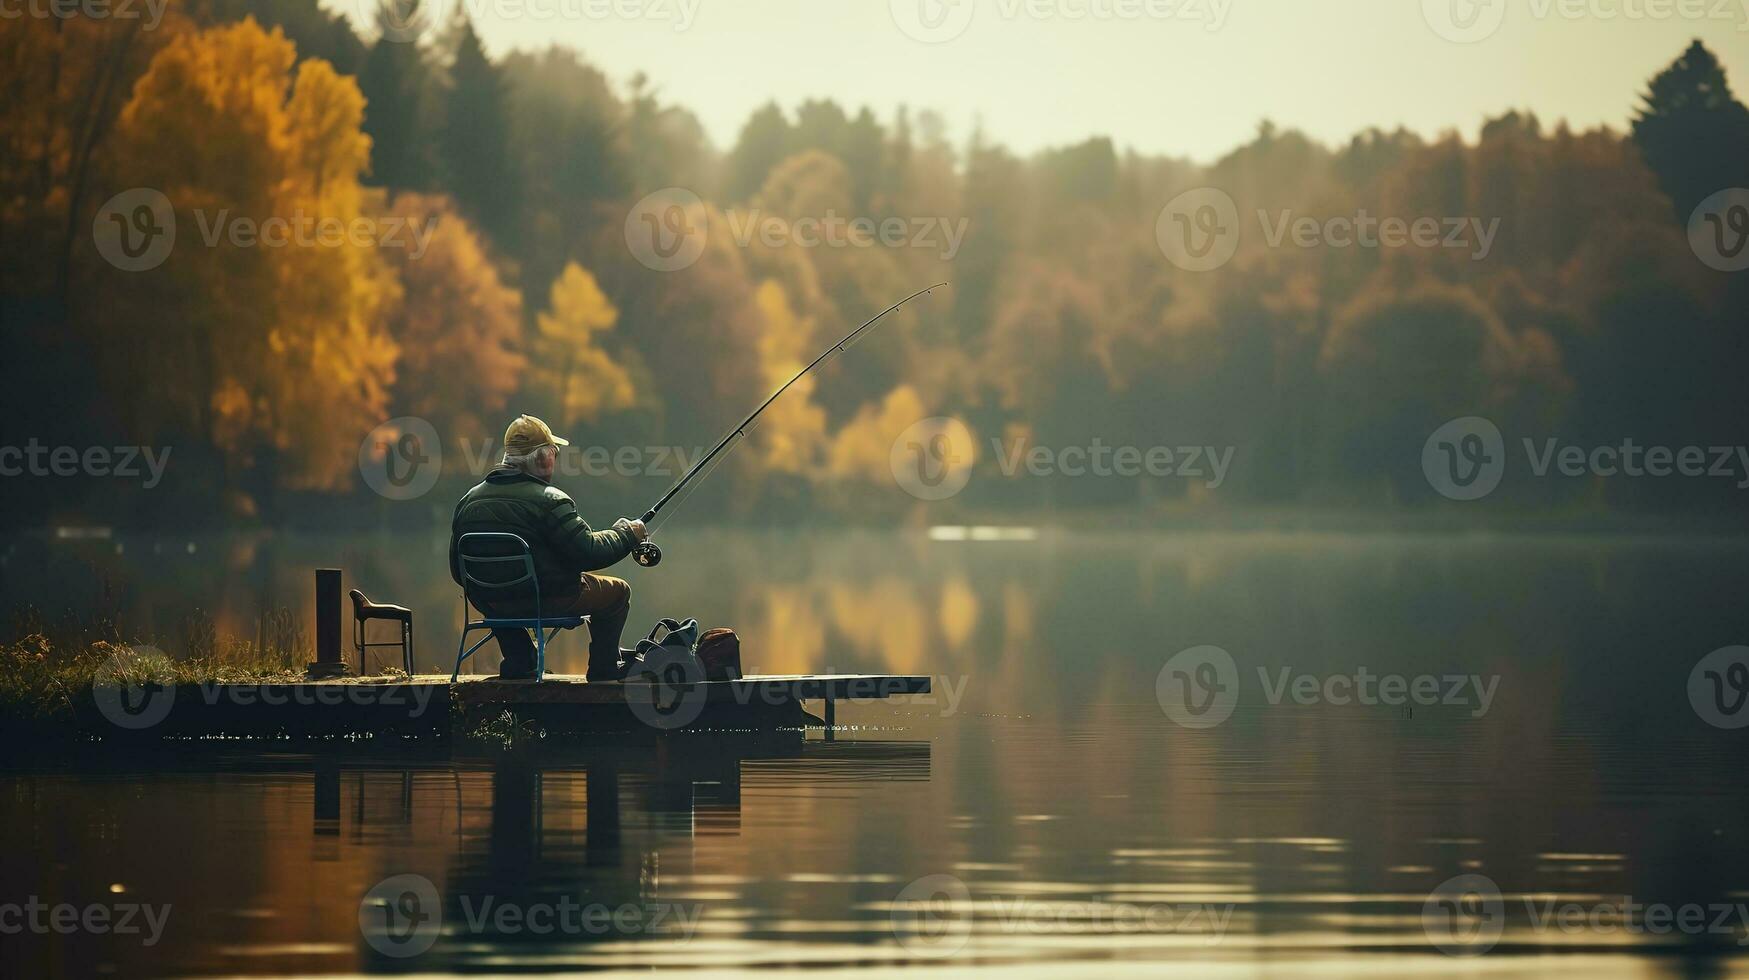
point(527, 433)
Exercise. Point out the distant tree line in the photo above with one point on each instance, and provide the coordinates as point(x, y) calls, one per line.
point(1590, 319)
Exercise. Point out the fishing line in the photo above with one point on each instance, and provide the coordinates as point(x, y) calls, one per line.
point(646, 553)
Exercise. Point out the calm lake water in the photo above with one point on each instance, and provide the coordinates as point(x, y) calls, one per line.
point(1045, 806)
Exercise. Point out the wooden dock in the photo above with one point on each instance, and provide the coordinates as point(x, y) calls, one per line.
point(427, 706)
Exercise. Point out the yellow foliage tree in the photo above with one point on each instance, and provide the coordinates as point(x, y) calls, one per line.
point(586, 380)
point(863, 448)
point(837, 271)
point(280, 329)
point(792, 432)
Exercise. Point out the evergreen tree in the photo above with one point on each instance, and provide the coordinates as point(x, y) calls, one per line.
point(765, 141)
point(1692, 132)
point(667, 145)
point(567, 149)
point(1086, 171)
point(475, 137)
point(394, 80)
point(864, 153)
point(820, 125)
point(643, 133)
point(316, 32)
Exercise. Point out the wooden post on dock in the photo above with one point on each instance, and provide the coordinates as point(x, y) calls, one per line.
point(328, 661)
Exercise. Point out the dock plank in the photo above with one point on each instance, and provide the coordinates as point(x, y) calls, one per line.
point(430, 704)
point(755, 689)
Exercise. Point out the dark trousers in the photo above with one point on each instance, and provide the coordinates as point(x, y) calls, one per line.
point(604, 599)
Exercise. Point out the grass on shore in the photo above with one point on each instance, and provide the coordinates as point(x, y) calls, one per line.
point(47, 669)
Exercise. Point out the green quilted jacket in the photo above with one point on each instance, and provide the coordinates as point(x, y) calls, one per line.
point(563, 544)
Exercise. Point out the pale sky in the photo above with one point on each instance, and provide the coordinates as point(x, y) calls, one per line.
point(1151, 74)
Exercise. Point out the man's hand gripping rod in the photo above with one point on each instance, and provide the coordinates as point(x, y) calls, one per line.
point(646, 553)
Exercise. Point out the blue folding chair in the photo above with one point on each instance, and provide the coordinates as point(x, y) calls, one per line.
point(500, 560)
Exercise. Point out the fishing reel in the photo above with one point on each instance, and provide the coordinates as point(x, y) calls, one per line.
point(647, 554)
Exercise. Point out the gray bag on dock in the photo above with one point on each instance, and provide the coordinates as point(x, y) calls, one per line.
point(676, 649)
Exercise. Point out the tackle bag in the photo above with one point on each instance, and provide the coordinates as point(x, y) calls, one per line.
point(719, 650)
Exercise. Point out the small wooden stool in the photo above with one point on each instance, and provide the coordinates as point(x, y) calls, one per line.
point(364, 610)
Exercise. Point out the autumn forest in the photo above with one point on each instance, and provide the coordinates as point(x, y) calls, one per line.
point(497, 198)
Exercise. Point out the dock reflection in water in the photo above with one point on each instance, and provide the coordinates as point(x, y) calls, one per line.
point(586, 857)
point(592, 860)
point(1043, 812)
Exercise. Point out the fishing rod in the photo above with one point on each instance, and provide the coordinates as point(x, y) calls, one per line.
point(646, 553)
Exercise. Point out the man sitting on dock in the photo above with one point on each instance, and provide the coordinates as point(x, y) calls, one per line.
point(517, 497)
